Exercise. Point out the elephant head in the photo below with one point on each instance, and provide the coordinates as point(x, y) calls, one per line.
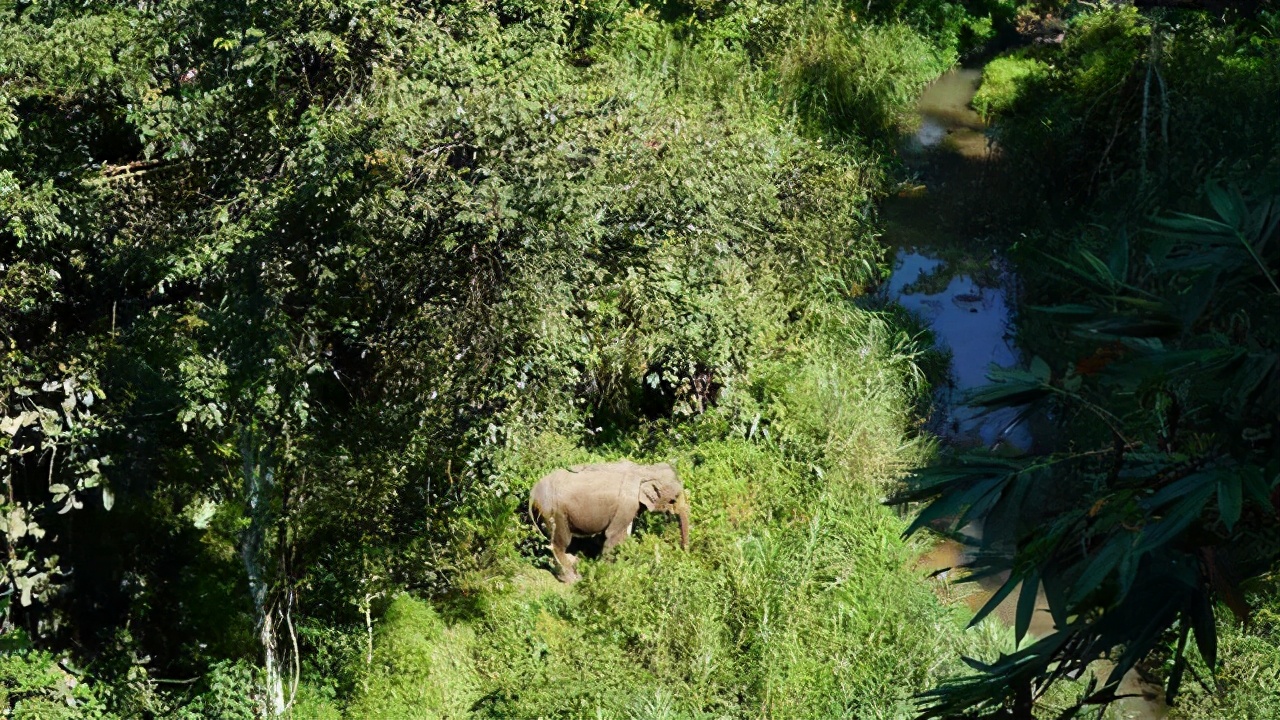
point(661, 491)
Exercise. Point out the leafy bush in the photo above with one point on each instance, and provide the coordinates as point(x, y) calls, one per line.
point(1128, 108)
point(1163, 502)
point(33, 684)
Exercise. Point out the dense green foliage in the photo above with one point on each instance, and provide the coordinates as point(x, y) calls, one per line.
point(1163, 501)
point(299, 299)
point(1153, 333)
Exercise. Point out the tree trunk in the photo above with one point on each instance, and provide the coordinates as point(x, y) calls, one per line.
point(259, 478)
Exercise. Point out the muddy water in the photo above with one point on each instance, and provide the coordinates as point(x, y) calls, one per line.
point(966, 293)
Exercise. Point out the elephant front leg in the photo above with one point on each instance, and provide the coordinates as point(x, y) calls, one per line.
point(617, 531)
point(561, 536)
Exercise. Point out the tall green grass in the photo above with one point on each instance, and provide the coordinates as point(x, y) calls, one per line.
point(857, 80)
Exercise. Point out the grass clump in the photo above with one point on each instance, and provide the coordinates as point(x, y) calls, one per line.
point(1246, 682)
point(1002, 82)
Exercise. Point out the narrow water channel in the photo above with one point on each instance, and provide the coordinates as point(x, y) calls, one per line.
point(966, 293)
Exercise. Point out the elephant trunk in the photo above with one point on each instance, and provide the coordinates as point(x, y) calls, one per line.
point(682, 512)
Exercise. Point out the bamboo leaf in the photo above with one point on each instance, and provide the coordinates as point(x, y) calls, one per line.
point(1194, 225)
point(1008, 388)
point(1262, 265)
point(1206, 630)
point(1099, 568)
point(1182, 514)
point(1228, 205)
point(1056, 588)
point(1180, 488)
point(1074, 310)
point(1040, 369)
point(1255, 484)
point(1118, 261)
point(1179, 664)
point(1101, 272)
point(1026, 605)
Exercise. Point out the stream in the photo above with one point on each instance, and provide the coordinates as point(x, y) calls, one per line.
point(966, 293)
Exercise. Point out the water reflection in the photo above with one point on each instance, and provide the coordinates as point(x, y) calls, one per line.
point(974, 323)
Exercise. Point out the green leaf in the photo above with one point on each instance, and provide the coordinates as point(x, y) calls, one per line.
point(1182, 514)
point(1026, 605)
point(1179, 665)
point(1101, 272)
point(1118, 261)
point(1040, 369)
point(1195, 482)
point(975, 664)
point(1202, 621)
point(1230, 499)
point(1190, 304)
point(1255, 484)
point(1008, 388)
point(1074, 310)
point(1193, 226)
point(951, 503)
point(1254, 371)
point(1229, 205)
point(1100, 567)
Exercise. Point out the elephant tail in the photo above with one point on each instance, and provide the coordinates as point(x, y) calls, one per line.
point(532, 504)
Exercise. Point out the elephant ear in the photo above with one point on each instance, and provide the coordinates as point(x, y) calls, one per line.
point(650, 492)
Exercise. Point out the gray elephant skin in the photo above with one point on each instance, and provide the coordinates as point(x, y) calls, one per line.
point(587, 500)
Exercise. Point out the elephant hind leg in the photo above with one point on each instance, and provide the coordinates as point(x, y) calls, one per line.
point(561, 536)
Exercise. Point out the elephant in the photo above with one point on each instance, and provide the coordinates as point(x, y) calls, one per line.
point(587, 500)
